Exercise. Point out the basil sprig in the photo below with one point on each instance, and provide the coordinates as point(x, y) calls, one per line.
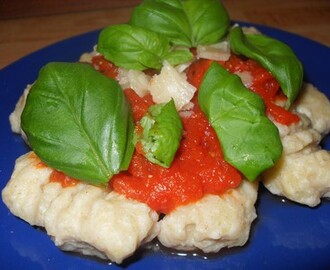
point(133, 47)
point(249, 140)
point(79, 122)
point(275, 56)
point(158, 28)
point(161, 135)
point(186, 23)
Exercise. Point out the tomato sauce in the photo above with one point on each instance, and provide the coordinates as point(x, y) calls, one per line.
point(198, 168)
point(39, 163)
point(105, 67)
point(139, 105)
point(55, 176)
point(64, 180)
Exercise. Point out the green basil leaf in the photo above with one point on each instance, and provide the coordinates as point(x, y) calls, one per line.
point(249, 140)
point(209, 21)
point(186, 23)
point(79, 122)
point(274, 55)
point(177, 57)
point(165, 17)
point(161, 135)
point(133, 47)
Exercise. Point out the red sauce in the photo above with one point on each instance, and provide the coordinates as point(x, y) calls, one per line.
point(64, 180)
point(104, 66)
point(263, 83)
point(281, 115)
point(196, 72)
point(198, 169)
point(139, 105)
point(39, 164)
point(55, 175)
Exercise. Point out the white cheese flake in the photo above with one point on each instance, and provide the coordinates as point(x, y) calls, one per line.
point(218, 52)
point(134, 79)
point(246, 78)
point(171, 83)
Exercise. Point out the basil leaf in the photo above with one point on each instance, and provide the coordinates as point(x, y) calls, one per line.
point(249, 140)
point(209, 21)
point(176, 57)
point(165, 17)
point(133, 47)
point(275, 56)
point(79, 122)
point(186, 23)
point(161, 135)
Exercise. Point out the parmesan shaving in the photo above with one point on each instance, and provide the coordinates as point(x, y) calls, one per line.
point(171, 84)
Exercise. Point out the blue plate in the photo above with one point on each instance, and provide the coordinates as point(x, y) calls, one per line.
point(285, 235)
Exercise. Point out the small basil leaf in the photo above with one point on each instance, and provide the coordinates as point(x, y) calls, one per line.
point(176, 57)
point(133, 47)
point(249, 140)
point(274, 55)
point(166, 18)
point(209, 21)
point(161, 135)
point(186, 23)
point(79, 122)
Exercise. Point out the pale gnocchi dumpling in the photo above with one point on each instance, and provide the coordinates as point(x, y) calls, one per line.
point(302, 174)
